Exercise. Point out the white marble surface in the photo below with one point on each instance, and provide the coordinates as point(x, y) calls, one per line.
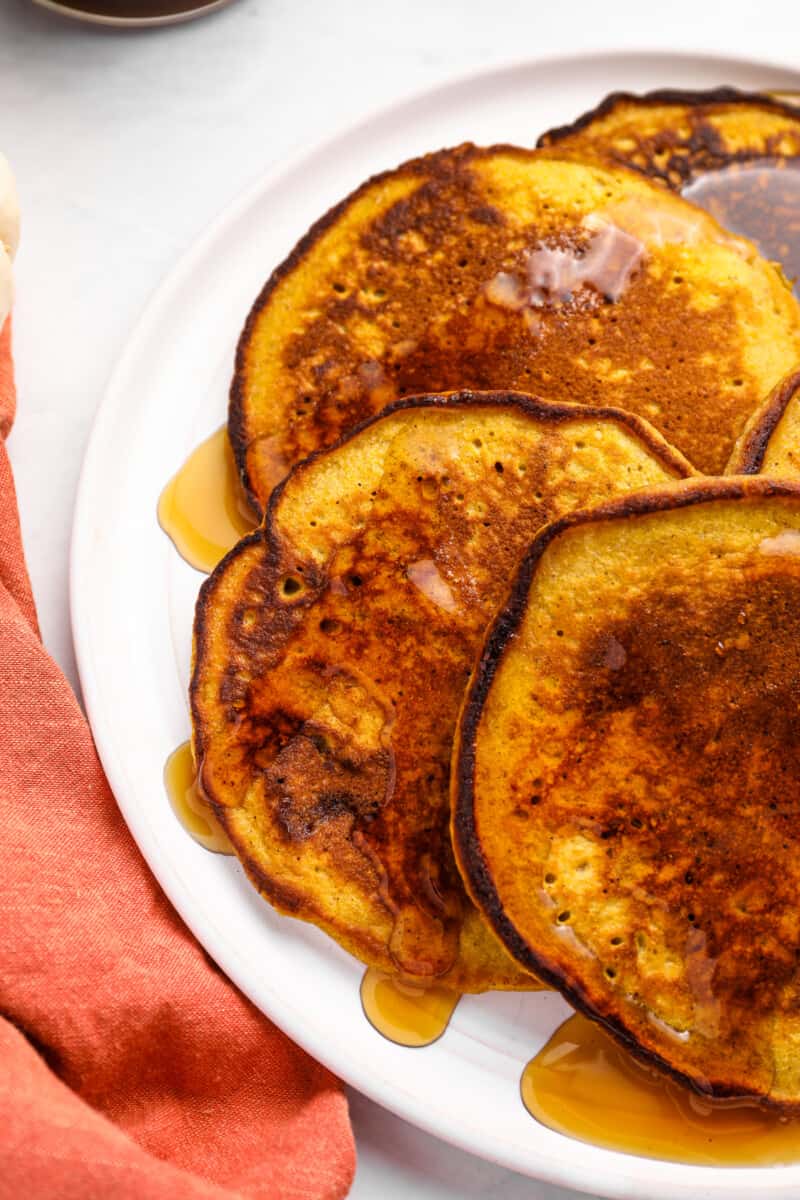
point(126, 145)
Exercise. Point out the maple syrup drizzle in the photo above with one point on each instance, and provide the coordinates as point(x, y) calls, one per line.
point(584, 1085)
point(408, 1014)
point(759, 200)
point(193, 812)
point(203, 509)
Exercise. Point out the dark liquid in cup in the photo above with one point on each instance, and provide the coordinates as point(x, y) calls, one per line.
point(133, 10)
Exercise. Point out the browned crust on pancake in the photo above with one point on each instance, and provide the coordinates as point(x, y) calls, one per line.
point(286, 899)
point(749, 453)
point(359, 941)
point(435, 167)
point(426, 166)
point(534, 405)
point(531, 404)
point(661, 96)
point(466, 843)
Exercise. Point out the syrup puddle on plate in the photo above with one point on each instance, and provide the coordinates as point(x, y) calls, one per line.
point(407, 1014)
point(193, 812)
point(203, 509)
point(410, 1014)
point(759, 200)
point(585, 1086)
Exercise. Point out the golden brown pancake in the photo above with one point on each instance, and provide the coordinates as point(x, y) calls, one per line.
point(627, 813)
point(736, 154)
point(674, 136)
point(770, 443)
point(333, 645)
point(511, 269)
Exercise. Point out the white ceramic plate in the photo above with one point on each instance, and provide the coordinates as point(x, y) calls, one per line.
point(132, 604)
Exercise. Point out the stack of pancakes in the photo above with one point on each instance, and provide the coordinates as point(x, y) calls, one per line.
point(507, 682)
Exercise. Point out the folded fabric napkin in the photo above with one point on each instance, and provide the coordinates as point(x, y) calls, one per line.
point(130, 1067)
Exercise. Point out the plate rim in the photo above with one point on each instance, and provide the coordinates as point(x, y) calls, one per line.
point(637, 1176)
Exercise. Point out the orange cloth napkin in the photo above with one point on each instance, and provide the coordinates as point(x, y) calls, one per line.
point(130, 1068)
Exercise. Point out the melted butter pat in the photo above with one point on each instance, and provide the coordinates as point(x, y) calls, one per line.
point(425, 576)
point(194, 814)
point(785, 544)
point(607, 264)
point(405, 1013)
point(203, 509)
point(610, 260)
point(585, 1086)
point(615, 655)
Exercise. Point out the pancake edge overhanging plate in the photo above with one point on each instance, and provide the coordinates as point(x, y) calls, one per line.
point(401, 1080)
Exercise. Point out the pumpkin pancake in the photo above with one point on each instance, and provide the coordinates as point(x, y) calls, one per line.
point(674, 136)
point(627, 814)
point(736, 154)
point(333, 645)
point(511, 269)
point(770, 444)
